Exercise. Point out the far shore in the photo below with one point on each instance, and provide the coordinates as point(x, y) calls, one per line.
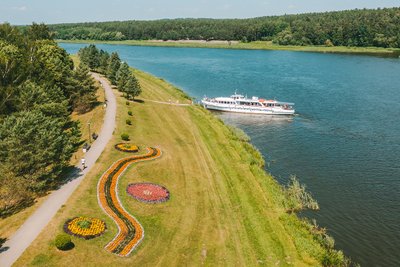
point(257, 45)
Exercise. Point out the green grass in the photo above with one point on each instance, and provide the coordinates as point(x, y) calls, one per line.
point(257, 45)
point(223, 210)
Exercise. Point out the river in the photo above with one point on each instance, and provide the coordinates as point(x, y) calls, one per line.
point(344, 144)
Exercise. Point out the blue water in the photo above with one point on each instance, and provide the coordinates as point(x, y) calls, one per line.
point(344, 144)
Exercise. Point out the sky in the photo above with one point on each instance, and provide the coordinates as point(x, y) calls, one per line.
point(20, 12)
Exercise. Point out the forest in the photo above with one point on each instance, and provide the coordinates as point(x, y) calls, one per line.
point(39, 89)
point(359, 27)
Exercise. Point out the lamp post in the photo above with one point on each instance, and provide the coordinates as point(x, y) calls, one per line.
point(90, 138)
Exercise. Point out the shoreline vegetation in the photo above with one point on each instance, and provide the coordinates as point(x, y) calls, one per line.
point(360, 31)
point(256, 45)
point(225, 209)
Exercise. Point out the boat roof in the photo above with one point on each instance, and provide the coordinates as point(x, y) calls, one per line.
point(224, 99)
point(254, 100)
point(237, 95)
point(275, 102)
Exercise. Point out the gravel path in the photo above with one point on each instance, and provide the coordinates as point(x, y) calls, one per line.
point(26, 234)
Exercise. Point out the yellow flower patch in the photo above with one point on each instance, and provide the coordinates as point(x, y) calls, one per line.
point(126, 147)
point(85, 227)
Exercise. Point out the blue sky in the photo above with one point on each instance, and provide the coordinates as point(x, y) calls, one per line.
point(56, 11)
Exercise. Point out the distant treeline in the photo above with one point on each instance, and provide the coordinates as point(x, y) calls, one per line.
point(366, 27)
point(39, 89)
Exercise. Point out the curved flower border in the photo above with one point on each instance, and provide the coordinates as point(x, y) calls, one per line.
point(125, 150)
point(130, 231)
point(161, 200)
point(68, 231)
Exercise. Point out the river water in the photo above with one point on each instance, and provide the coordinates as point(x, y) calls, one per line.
point(344, 144)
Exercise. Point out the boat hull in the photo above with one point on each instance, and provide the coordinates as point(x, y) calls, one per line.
point(248, 110)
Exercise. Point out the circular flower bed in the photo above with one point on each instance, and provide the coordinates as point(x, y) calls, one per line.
point(84, 227)
point(148, 192)
point(125, 147)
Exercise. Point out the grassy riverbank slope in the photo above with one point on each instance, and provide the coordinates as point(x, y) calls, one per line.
point(224, 209)
point(257, 45)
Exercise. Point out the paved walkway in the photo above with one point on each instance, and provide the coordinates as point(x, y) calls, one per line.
point(27, 233)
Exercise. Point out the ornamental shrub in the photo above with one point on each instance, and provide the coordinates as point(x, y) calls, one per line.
point(125, 137)
point(130, 113)
point(85, 224)
point(129, 122)
point(63, 242)
point(127, 103)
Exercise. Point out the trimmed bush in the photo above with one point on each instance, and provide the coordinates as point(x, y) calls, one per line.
point(63, 242)
point(85, 224)
point(129, 122)
point(125, 137)
point(127, 103)
point(130, 113)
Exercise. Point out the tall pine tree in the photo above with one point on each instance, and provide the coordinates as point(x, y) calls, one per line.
point(113, 67)
point(123, 75)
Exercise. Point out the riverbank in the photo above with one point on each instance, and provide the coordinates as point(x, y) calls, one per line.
point(258, 45)
point(224, 209)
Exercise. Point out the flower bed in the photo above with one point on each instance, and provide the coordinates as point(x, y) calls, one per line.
point(148, 192)
point(125, 147)
point(84, 227)
point(130, 230)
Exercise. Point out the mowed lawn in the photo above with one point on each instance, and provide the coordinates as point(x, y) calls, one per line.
point(223, 211)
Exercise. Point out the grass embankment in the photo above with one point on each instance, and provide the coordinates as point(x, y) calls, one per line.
point(95, 117)
point(224, 209)
point(257, 45)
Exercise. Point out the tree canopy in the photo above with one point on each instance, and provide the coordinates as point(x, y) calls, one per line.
point(117, 72)
point(39, 88)
point(360, 27)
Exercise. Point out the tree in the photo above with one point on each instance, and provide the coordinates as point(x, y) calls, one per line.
point(39, 88)
point(10, 60)
point(34, 148)
point(113, 67)
point(123, 75)
point(104, 58)
point(84, 97)
point(39, 32)
point(50, 101)
point(328, 43)
point(132, 87)
point(285, 37)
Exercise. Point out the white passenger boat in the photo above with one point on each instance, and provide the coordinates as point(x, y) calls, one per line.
point(254, 105)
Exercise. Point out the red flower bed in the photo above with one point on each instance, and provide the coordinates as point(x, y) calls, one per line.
point(148, 192)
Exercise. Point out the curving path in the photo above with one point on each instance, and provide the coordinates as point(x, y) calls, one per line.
point(26, 234)
point(130, 230)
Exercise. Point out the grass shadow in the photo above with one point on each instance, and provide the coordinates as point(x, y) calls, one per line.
point(21, 205)
point(2, 241)
point(69, 173)
point(70, 246)
point(139, 101)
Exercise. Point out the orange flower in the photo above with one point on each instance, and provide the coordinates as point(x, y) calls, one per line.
point(126, 239)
